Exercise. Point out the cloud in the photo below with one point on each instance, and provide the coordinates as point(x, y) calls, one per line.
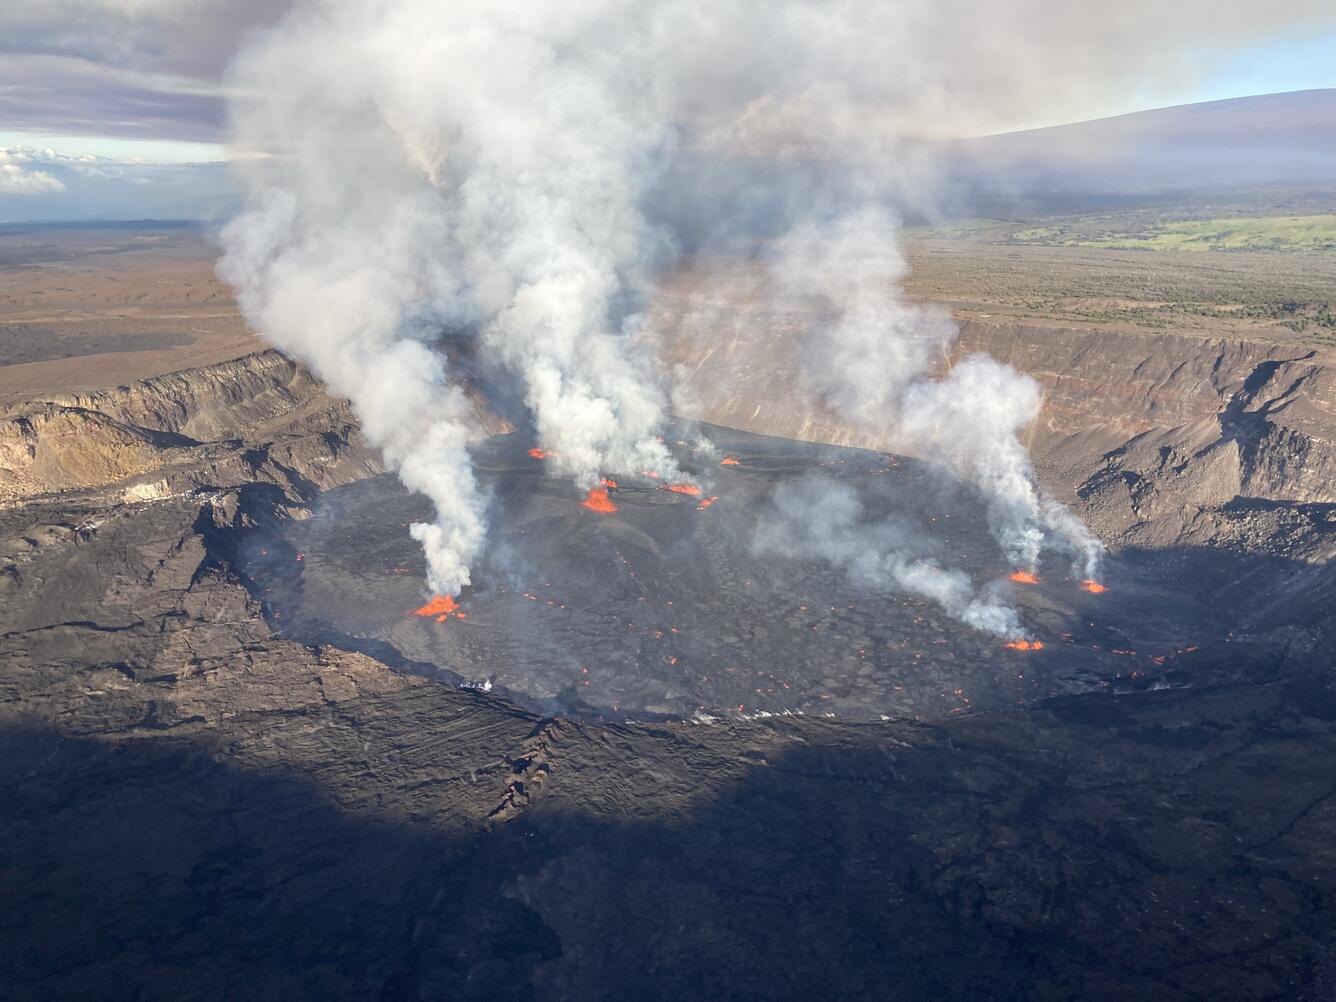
point(151, 68)
point(58, 187)
point(144, 69)
point(186, 39)
point(18, 179)
point(14, 180)
point(68, 96)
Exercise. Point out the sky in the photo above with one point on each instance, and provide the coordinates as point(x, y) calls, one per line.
point(116, 109)
point(1294, 61)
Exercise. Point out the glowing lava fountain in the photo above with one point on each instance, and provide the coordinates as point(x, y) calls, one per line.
point(440, 605)
point(598, 501)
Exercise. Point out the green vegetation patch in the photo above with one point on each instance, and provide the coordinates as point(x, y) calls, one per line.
point(1307, 234)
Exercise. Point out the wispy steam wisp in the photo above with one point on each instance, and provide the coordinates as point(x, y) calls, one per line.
point(817, 520)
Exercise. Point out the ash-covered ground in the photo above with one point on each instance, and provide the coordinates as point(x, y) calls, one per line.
point(666, 607)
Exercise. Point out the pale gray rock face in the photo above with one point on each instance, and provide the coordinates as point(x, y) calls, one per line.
point(1128, 417)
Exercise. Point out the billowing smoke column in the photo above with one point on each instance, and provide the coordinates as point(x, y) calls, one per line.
point(873, 360)
point(493, 167)
point(330, 283)
point(444, 167)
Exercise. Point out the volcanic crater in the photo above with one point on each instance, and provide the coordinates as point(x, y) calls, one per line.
point(657, 602)
point(193, 801)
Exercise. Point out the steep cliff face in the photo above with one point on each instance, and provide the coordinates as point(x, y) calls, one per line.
point(1153, 436)
point(236, 399)
point(1157, 438)
point(256, 418)
point(259, 418)
point(1276, 406)
point(1163, 438)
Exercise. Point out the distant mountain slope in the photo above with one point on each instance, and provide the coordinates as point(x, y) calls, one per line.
point(1270, 139)
point(1272, 153)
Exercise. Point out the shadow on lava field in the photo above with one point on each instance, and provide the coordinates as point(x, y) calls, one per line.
point(663, 607)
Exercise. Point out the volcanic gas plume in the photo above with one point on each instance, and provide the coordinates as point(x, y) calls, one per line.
point(873, 364)
point(814, 519)
point(515, 179)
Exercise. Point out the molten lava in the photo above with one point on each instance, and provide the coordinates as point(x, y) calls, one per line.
point(1093, 586)
point(706, 502)
point(729, 461)
point(538, 453)
point(610, 483)
point(691, 489)
point(439, 605)
point(1024, 577)
point(598, 501)
point(1026, 645)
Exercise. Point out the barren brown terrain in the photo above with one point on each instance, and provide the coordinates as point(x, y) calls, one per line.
point(85, 310)
point(1238, 294)
point(204, 800)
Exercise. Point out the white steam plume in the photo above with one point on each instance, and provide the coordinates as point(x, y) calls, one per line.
point(442, 166)
point(873, 360)
point(491, 166)
point(336, 304)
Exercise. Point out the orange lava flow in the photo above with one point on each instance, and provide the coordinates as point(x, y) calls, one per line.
point(538, 453)
point(691, 489)
point(1093, 586)
point(729, 461)
point(1024, 577)
point(1026, 645)
point(609, 482)
point(438, 606)
point(598, 501)
point(705, 503)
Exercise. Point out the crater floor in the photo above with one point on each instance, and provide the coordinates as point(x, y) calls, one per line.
point(665, 606)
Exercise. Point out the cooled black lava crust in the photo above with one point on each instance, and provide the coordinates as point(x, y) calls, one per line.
point(665, 608)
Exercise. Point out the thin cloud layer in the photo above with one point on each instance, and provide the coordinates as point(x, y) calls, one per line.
point(46, 185)
point(141, 69)
point(152, 68)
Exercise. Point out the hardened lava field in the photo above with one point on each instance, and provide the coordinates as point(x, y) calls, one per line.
point(642, 600)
